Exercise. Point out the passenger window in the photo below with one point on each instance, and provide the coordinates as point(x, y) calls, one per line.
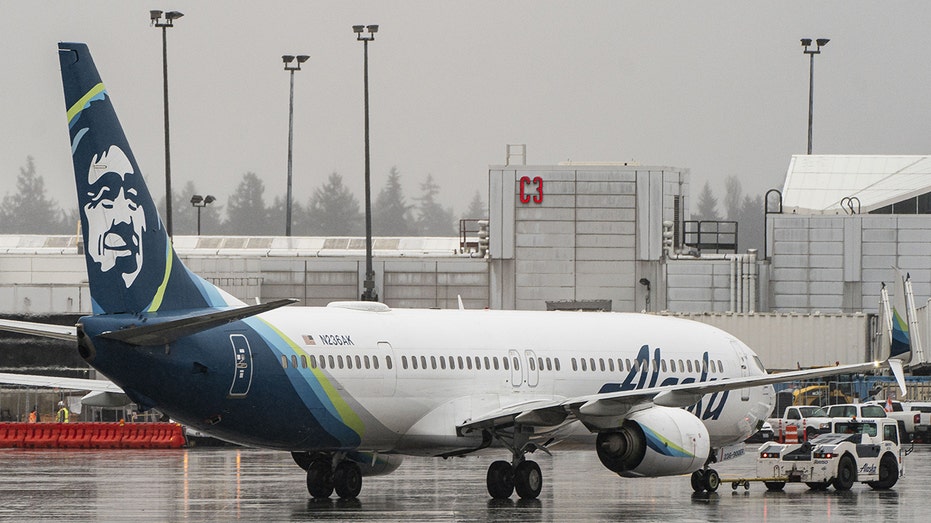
point(294, 361)
point(423, 362)
point(627, 360)
point(720, 366)
point(478, 363)
point(575, 366)
point(313, 362)
point(557, 364)
point(689, 363)
point(504, 362)
point(284, 362)
point(348, 362)
point(549, 364)
point(533, 364)
point(375, 362)
point(610, 365)
point(303, 361)
point(404, 362)
point(459, 361)
point(487, 362)
point(433, 362)
point(663, 364)
point(359, 362)
point(601, 364)
point(339, 361)
point(442, 363)
point(516, 363)
point(672, 365)
point(387, 362)
point(367, 362)
point(584, 367)
point(540, 363)
point(468, 363)
point(713, 369)
point(494, 360)
point(414, 362)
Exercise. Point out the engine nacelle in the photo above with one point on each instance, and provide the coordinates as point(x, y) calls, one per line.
point(658, 441)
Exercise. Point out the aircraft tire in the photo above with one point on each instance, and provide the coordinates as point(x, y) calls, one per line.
point(888, 473)
point(347, 480)
point(712, 480)
point(319, 479)
point(698, 480)
point(500, 480)
point(528, 480)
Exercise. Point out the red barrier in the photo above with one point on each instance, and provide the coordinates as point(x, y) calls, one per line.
point(91, 435)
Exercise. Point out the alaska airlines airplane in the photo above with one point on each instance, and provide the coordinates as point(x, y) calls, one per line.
point(351, 388)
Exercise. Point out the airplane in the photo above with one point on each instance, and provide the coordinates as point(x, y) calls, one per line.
point(351, 388)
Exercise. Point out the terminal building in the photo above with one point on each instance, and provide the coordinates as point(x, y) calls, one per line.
point(589, 236)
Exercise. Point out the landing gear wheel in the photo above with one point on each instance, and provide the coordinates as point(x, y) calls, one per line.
point(774, 486)
point(712, 480)
point(528, 480)
point(846, 473)
point(698, 481)
point(888, 473)
point(319, 479)
point(818, 485)
point(347, 479)
point(500, 480)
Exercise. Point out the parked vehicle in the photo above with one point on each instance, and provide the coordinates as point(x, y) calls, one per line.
point(862, 449)
point(808, 420)
point(917, 423)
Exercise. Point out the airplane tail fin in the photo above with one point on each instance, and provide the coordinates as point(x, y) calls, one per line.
point(131, 265)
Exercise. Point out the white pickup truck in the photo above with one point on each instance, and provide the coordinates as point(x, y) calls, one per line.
point(915, 416)
point(811, 419)
point(864, 450)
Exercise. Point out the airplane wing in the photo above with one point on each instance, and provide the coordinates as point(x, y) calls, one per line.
point(59, 383)
point(59, 332)
point(593, 409)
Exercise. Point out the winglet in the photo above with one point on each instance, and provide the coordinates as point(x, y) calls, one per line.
point(899, 373)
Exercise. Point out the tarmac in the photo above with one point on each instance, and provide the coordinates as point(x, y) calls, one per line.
point(224, 484)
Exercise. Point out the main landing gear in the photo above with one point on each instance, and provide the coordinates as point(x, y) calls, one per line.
point(521, 474)
point(330, 472)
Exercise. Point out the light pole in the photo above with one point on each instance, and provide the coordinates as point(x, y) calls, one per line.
point(368, 293)
point(199, 202)
point(288, 66)
point(821, 42)
point(155, 17)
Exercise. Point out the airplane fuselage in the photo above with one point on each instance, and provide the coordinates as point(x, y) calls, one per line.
point(338, 378)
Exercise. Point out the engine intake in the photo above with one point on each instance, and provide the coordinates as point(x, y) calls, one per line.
point(659, 441)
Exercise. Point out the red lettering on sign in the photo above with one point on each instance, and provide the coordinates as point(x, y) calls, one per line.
point(524, 196)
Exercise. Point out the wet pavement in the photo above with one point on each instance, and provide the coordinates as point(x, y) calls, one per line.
point(223, 484)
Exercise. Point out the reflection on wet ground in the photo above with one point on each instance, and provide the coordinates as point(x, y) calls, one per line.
point(206, 484)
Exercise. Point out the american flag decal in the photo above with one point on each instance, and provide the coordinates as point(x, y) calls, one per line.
point(309, 340)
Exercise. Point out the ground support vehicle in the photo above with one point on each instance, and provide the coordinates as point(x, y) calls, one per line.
point(856, 450)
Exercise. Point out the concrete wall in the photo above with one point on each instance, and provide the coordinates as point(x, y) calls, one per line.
point(594, 233)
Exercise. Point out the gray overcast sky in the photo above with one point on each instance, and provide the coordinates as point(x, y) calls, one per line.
point(717, 87)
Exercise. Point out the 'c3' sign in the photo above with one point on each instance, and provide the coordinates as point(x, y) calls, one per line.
point(533, 192)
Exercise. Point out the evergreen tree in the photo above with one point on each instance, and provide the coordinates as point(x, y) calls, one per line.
point(733, 197)
point(28, 210)
point(334, 211)
point(391, 216)
point(433, 219)
point(477, 209)
point(707, 205)
point(246, 211)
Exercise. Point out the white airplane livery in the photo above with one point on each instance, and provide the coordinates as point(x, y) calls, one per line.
point(351, 388)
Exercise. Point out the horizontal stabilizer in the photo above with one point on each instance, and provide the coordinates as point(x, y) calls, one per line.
point(171, 330)
point(59, 332)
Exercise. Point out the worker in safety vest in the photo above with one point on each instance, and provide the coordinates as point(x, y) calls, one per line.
point(63, 414)
point(33, 416)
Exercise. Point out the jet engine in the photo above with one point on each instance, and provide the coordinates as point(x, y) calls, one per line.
point(658, 441)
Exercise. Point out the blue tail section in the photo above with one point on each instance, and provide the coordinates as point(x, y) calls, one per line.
point(131, 265)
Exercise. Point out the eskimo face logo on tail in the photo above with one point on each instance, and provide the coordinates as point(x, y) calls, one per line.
point(114, 215)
